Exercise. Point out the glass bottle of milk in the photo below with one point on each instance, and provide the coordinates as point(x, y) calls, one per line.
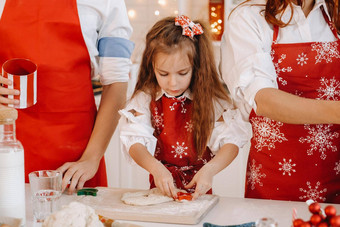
point(12, 173)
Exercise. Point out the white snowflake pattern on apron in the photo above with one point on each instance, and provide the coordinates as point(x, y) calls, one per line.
point(329, 89)
point(182, 101)
point(287, 167)
point(267, 132)
point(182, 170)
point(313, 193)
point(158, 151)
point(337, 167)
point(158, 120)
point(188, 126)
point(299, 93)
point(278, 69)
point(325, 51)
point(205, 161)
point(179, 150)
point(320, 138)
point(302, 59)
point(255, 175)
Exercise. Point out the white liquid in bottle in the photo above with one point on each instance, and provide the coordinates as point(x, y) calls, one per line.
point(12, 173)
point(12, 184)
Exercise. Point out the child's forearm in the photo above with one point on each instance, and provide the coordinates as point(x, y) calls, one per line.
point(222, 159)
point(143, 158)
point(203, 178)
point(162, 176)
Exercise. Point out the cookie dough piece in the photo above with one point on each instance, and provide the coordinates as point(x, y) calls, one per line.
point(145, 198)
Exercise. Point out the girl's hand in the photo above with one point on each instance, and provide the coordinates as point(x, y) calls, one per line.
point(203, 181)
point(7, 91)
point(77, 173)
point(164, 180)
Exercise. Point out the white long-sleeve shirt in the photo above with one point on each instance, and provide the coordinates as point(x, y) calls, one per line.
point(138, 129)
point(106, 30)
point(246, 62)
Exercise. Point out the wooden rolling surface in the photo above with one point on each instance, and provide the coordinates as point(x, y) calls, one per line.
point(108, 203)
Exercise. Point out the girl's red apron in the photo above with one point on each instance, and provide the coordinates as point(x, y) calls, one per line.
point(57, 129)
point(298, 162)
point(171, 119)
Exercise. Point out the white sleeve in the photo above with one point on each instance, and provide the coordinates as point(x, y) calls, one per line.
point(246, 63)
point(114, 46)
point(136, 129)
point(107, 30)
point(233, 129)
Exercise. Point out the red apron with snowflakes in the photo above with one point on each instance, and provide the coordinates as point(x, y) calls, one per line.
point(56, 129)
point(171, 119)
point(298, 162)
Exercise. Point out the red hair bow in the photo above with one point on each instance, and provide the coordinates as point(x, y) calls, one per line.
point(189, 28)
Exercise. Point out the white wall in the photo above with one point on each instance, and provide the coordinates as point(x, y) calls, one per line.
point(230, 181)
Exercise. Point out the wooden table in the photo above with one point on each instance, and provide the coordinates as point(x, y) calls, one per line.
point(228, 211)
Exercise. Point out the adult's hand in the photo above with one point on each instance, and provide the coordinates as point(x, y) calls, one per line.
point(77, 173)
point(6, 91)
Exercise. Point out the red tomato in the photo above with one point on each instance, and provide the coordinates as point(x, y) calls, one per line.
point(323, 224)
point(314, 208)
point(335, 221)
point(297, 222)
point(305, 224)
point(315, 219)
point(184, 195)
point(330, 211)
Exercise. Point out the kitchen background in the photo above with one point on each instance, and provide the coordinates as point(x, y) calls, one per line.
point(143, 14)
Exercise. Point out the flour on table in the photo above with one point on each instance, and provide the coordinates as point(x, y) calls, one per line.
point(74, 215)
point(144, 198)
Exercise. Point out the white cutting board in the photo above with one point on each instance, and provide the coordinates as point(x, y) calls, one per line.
point(108, 203)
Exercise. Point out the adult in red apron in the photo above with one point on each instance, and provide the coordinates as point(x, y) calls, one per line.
point(57, 129)
point(298, 162)
point(171, 119)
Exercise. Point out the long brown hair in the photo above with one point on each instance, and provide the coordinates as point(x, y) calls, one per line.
point(166, 37)
point(276, 7)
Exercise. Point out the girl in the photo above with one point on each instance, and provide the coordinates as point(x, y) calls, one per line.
point(281, 61)
point(179, 111)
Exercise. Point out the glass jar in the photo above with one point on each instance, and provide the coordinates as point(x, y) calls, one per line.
point(266, 222)
point(12, 173)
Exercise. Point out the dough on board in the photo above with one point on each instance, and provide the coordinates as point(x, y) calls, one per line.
point(144, 198)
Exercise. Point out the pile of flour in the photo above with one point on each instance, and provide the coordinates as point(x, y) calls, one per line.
point(74, 215)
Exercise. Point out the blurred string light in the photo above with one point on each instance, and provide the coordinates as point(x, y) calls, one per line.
point(166, 7)
point(132, 13)
point(162, 2)
point(216, 18)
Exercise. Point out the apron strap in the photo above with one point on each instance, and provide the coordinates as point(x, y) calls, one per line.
point(330, 24)
point(275, 34)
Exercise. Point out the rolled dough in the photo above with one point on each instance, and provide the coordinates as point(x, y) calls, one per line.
point(146, 197)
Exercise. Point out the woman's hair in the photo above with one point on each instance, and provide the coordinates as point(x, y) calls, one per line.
point(165, 37)
point(276, 7)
